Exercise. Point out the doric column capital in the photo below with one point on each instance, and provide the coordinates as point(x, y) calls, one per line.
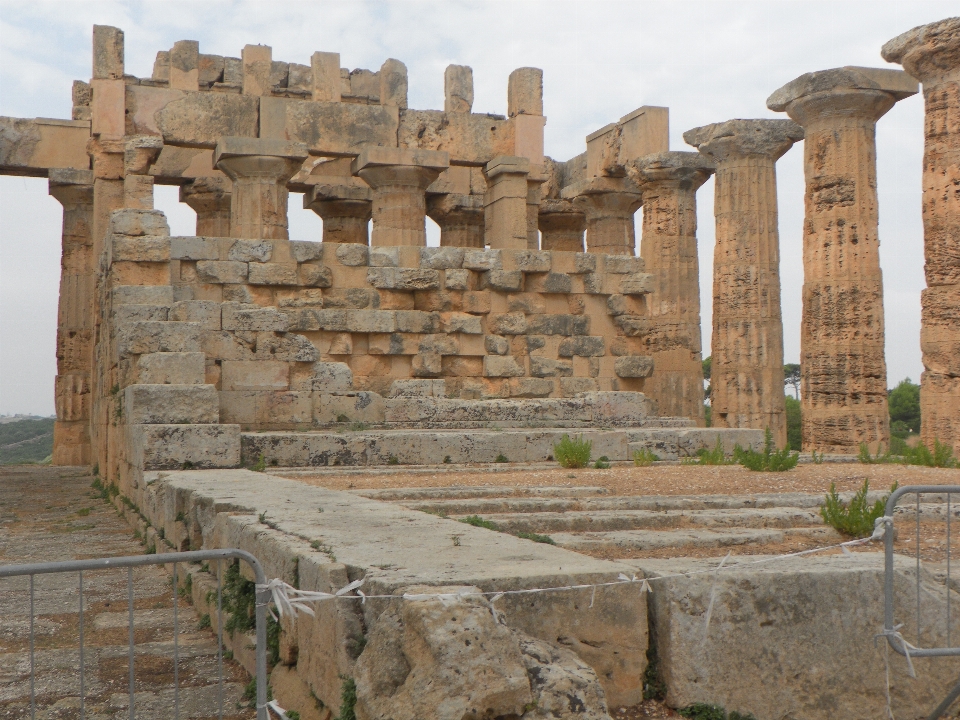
point(930, 53)
point(684, 170)
point(71, 187)
point(140, 152)
point(381, 166)
point(739, 138)
point(340, 199)
point(605, 194)
point(242, 158)
point(455, 208)
point(206, 194)
point(866, 93)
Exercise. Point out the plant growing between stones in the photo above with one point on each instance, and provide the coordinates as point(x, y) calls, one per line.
point(393, 460)
point(204, 622)
point(478, 521)
point(602, 463)
point(501, 458)
point(260, 465)
point(644, 458)
point(770, 460)
point(573, 453)
point(855, 518)
point(536, 537)
point(713, 457)
point(348, 699)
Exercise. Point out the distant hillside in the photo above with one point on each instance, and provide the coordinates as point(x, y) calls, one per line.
point(26, 441)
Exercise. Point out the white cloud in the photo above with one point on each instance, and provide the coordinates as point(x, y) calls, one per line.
point(708, 60)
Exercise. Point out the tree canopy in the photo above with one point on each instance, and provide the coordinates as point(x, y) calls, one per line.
point(904, 403)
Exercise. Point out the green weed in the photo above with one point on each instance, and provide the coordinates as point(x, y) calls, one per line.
point(855, 519)
point(573, 453)
point(715, 456)
point(546, 539)
point(770, 460)
point(644, 458)
point(478, 521)
point(501, 458)
point(602, 463)
point(348, 699)
point(204, 622)
point(260, 465)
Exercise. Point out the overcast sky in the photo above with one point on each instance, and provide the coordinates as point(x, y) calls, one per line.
point(707, 61)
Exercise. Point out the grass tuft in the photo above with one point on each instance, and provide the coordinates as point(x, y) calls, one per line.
point(855, 518)
point(573, 453)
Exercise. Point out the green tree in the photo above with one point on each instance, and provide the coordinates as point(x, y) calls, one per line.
point(793, 423)
point(707, 362)
point(904, 403)
point(791, 378)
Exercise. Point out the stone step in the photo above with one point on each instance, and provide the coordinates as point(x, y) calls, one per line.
point(643, 540)
point(609, 520)
point(441, 493)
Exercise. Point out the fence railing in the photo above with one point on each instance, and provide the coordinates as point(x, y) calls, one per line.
point(131, 562)
point(891, 629)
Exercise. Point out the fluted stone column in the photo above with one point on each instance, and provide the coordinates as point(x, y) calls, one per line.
point(346, 211)
point(931, 53)
point(460, 218)
point(843, 370)
point(747, 370)
point(561, 225)
point(609, 204)
point(505, 203)
point(399, 179)
point(209, 197)
point(259, 169)
point(668, 246)
point(75, 318)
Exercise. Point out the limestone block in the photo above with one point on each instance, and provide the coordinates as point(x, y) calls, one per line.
point(633, 325)
point(170, 404)
point(284, 408)
point(425, 365)
point(171, 368)
point(384, 257)
point(442, 258)
point(457, 322)
point(205, 312)
point(542, 367)
point(525, 92)
point(250, 251)
point(319, 276)
point(638, 284)
point(531, 387)
point(143, 295)
point(352, 255)
point(123, 314)
point(458, 88)
point(429, 658)
point(239, 406)
point(254, 375)
point(388, 278)
point(551, 282)
point(371, 321)
point(482, 260)
point(528, 261)
point(619, 408)
point(582, 346)
point(252, 318)
point(362, 406)
point(418, 388)
point(107, 52)
point(502, 280)
point(573, 386)
point(417, 321)
point(439, 345)
point(222, 272)
point(584, 263)
point(328, 377)
point(303, 251)
point(137, 223)
point(194, 248)
point(142, 248)
point(496, 345)
point(623, 264)
point(456, 279)
point(169, 447)
point(501, 366)
point(527, 303)
point(558, 324)
point(632, 366)
point(508, 324)
point(141, 338)
point(288, 347)
point(272, 274)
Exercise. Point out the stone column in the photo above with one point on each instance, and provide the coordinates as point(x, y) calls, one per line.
point(505, 203)
point(609, 204)
point(210, 199)
point(259, 169)
point(460, 218)
point(139, 153)
point(346, 211)
point(843, 370)
point(747, 348)
point(669, 248)
point(75, 318)
point(399, 179)
point(931, 53)
point(561, 226)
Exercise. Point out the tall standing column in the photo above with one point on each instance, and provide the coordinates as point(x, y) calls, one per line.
point(505, 203)
point(209, 197)
point(931, 53)
point(609, 204)
point(75, 318)
point(399, 178)
point(668, 246)
point(747, 370)
point(260, 170)
point(346, 211)
point(842, 365)
point(460, 218)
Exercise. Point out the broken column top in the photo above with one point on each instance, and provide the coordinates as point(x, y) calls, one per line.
point(745, 137)
point(525, 92)
point(458, 89)
point(927, 52)
point(895, 83)
point(674, 165)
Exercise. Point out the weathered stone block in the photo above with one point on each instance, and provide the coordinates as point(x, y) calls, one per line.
point(384, 257)
point(250, 251)
point(254, 375)
point(482, 260)
point(638, 284)
point(327, 377)
point(124, 314)
point(442, 258)
point(360, 406)
point(502, 280)
point(222, 272)
point(583, 346)
point(304, 251)
point(143, 248)
point(456, 279)
point(623, 264)
point(371, 321)
point(531, 387)
point(558, 324)
point(496, 345)
point(417, 321)
point(171, 404)
point(194, 248)
point(439, 345)
point(508, 324)
point(388, 278)
point(632, 366)
point(316, 276)
point(352, 255)
point(253, 318)
point(418, 388)
point(171, 368)
point(205, 312)
point(462, 323)
point(332, 320)
point(542, 367)
point(139, 222)
point(272, 274)
point(427, 365)
point(501, 366)
point(584, 263)
point(169, 447)
point(143, 295)
point(288, 347)
point(476, 303)
point(149, 337)
point(573, 386)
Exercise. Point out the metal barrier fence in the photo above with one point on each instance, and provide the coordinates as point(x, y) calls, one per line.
point(891, 629)
point(80, 566)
